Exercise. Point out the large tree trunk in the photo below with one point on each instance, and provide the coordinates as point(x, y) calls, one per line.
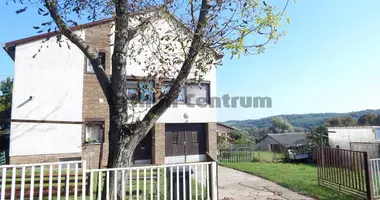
point(122, 144)
point(123, 141)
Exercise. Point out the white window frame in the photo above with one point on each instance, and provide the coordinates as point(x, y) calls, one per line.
point(90, 69)
point(101, 129)
point(207, 85)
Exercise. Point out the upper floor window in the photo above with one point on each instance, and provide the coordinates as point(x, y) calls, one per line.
point(145, 90)
point(191, 94)
point(141, 91)
point(181, 96)
point(131, 90)
point(102, 60)
point(198, 93)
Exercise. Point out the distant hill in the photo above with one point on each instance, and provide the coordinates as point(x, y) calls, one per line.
point(298, 120)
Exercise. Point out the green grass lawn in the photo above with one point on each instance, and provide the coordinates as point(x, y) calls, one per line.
point(301, 178)
point(266, 156)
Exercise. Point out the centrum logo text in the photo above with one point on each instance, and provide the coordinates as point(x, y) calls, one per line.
point(226, 101)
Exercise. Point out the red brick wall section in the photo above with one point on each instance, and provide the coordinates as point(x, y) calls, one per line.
point(212, 139)
point(94, 101)
point(158, 140)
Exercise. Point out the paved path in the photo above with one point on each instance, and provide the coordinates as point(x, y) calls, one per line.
point(242, 186)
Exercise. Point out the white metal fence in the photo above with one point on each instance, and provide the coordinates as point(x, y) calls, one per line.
point(59, 180)
point(71, 180)
point(375, 171)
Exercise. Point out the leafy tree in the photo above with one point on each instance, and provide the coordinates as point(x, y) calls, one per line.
point(334, 122)
point(313, 140)
point(236, 27)
point(367, 119)
point(340, 121)
point(315, 137)
point(348, 121)
point(280, 125)
point(6, 87)
point(376, 121)
point(242, 141)
point(241, 137)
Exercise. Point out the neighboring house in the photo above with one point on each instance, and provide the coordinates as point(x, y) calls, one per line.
point(278, 142)
point(60, 112)
point(360, 138)
point(225, 132)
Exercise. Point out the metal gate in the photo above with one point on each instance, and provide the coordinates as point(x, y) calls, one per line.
point(375, 169)
point(346, 171)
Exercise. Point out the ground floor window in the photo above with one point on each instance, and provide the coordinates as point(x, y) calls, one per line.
point(94, 132)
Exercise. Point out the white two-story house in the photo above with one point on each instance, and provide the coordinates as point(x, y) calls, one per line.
point(60, 113)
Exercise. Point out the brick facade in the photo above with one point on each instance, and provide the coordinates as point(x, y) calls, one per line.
point(158, 140)
point(212, 139)
point(95, 104)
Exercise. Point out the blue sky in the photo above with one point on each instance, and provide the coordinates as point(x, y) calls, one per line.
point(329, 61)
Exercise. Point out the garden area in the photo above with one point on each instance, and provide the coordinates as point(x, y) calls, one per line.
point(301, 178)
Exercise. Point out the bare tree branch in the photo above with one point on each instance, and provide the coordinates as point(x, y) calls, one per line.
point(90, 53)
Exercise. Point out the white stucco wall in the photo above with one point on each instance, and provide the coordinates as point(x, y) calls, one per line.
point(166, 26)
point(344, 136)
point(54, 78)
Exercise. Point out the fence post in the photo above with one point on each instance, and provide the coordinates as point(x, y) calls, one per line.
point(213, 181)
point(84, 179)
point(368, 176)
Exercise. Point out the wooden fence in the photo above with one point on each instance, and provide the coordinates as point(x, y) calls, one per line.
point(345, 170)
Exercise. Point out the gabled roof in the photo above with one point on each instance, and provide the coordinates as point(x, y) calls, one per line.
point(230, 127)
point(45, 35)
point(9, 47)
point(288, 138)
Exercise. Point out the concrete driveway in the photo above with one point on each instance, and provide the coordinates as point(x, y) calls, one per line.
point(242, 186)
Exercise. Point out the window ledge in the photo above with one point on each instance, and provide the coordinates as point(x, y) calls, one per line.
point(199, 104)
point(90, 144)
